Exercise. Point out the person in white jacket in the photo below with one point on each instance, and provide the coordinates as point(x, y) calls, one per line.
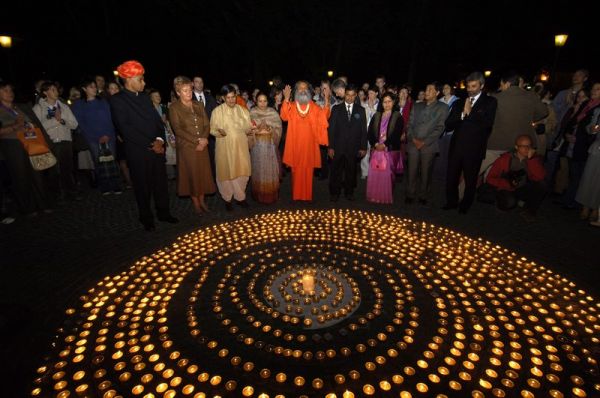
point(58, 120)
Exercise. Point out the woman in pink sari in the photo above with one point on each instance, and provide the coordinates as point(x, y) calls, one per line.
point(384, 134)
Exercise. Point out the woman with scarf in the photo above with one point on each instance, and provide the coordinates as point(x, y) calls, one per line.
point(265, 161)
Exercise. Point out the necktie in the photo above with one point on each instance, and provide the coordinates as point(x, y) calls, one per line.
point(472, 99)
point(349, 112)
point(201, 99)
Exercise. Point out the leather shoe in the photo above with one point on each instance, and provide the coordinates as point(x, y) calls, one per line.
point(170, 219)
point(243, 203)
point(448, 206)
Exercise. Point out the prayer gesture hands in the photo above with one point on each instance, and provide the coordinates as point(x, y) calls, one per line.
point(326, 91)
point(158, 147)
point(287, 92)
point(467, 108)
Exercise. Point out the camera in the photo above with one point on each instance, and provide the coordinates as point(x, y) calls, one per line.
point(51, 113)
point(514, 177)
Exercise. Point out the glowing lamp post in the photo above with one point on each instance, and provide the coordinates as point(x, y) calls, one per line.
point(487, 73)
point(329, 73)
point(6, 41)
point(559, 42)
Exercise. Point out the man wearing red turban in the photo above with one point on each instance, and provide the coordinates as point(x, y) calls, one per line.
point(143, 134)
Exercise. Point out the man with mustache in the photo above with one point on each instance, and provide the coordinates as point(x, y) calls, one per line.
point(307, 129)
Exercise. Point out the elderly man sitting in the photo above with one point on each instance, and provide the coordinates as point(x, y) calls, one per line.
point(519, 176)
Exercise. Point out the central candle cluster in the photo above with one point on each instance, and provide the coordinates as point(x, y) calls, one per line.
point(308, 283)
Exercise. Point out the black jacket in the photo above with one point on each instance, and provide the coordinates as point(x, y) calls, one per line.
point(210, 104)
point(347, 137)
point(394, 130)
point(471, 133)
point(136, 119)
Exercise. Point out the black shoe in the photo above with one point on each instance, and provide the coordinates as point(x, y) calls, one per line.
point(228, 206)
point(243, 203)
point(448, 206)
point(149, 226)
point(350, 197)
point(334, 198)
point(170, 219)
point(409, 201)
point(423, 202)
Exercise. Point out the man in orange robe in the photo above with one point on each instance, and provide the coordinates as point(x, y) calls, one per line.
point(307, 129)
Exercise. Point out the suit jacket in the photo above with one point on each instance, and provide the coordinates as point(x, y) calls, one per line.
point(426, 123)
point(347, 137)
point(517, 110)
point(471, 133)
point(137, 120)
point(210, 104)
point(394, 131)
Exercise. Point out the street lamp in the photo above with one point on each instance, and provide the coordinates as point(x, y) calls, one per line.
point(487, 73)
point(559, 41)
point(330, 73)
point(6, 41)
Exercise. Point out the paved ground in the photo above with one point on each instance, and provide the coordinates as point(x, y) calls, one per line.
point(48, 262)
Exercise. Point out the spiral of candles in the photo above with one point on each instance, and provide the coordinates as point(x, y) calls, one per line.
point(335, 303)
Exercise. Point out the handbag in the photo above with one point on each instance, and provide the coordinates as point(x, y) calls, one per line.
point(396, 162)
point(33, 141)
point(107, 167)
point(37, 148)
point(43, 161)
point(104, 154)
point(379, 161)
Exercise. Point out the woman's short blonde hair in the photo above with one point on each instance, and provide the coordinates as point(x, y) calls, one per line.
point(181, 81)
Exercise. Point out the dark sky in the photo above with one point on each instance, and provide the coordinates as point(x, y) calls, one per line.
point(249, 41)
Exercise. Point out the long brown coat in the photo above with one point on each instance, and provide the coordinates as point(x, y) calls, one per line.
point(189, 124)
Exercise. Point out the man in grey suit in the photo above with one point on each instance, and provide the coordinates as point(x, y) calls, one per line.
point(426, 124)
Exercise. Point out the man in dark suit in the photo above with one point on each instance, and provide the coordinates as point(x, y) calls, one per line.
point(144, 137)
point(471, 119)
point(347, 144)
point(210, 104)
point(203, 96)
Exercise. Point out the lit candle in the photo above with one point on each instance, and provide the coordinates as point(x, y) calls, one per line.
point(308, 283)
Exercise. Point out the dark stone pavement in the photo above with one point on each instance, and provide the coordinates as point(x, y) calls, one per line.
point(49, 261)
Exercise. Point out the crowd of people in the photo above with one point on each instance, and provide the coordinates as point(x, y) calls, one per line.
point(512, 146)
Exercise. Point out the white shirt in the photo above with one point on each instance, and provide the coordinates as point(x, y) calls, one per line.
point(475, 98)
point(348, 107)
point(200, 96)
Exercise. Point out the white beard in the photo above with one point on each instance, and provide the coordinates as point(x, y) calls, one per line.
point(302, 97)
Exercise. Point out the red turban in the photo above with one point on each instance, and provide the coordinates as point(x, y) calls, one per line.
point(130, 69)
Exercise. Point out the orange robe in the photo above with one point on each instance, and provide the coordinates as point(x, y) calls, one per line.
point(301, 152)
point(241, 102)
